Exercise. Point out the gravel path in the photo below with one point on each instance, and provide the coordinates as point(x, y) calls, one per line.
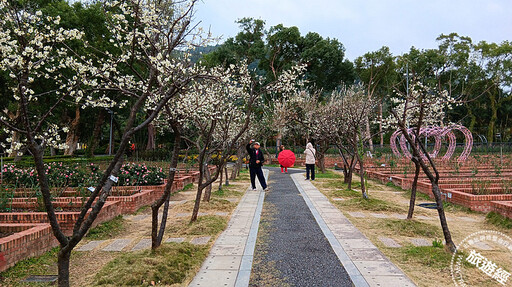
point(291, 248)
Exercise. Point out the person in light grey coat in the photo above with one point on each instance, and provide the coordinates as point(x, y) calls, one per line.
point(310, 153)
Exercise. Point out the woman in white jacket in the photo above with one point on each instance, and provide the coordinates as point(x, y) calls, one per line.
point(310, 161)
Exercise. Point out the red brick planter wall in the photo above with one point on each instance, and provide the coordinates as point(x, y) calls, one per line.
point(31, 240)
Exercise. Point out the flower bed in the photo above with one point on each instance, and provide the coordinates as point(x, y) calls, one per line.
point(77, 175)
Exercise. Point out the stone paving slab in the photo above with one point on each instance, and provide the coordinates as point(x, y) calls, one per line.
point(231, 240)
point(377, 268)
point(399, 216)
point(118, 244)
point(143, 244)
point(201, 240)
point(468, 219)
point(365, 254)
point(422, 217)
point(227, 250)
point(420, 242)
point(219, 262)
point(357, 244)
point(341, 234)
point(175, 240)
point(91, 245)
point(379, 215)
point(389, 242)
point(210, 277)
point(389, 281)
point(221, 213)
point(337, 220)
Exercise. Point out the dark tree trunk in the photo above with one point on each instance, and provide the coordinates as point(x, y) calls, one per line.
point(93, 141)
point(220, 181)
point(72, 136)
point(208, 188)
point(413, 188)
point(380, 123)
point(361, 175)
point(418, 148)
point(157, 234)
point(63, 267)
point(238, 164)
point(151, 137)
point(226, 173)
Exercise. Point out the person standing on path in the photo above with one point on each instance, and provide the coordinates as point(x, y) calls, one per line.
point(310, 161)
point(283, 168)
point(256, 160)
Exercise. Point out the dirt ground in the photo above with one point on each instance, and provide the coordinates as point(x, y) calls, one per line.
point(433, 271)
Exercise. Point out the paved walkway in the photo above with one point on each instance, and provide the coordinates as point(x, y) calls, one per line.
point(365, 264)
point(292, 249)
point(306, 240)
point(230, 260)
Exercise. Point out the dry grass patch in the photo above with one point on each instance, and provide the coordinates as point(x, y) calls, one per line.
point(170, 264)
point(411, 228)
point(370, 204)
point(205, 225)
point(215, 205)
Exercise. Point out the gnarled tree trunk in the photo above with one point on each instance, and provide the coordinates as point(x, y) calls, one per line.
point(412, 202)
point(72, 136)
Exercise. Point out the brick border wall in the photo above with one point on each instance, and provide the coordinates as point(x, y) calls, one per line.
point(502, 207)
point(34, 240)
point(482, 203)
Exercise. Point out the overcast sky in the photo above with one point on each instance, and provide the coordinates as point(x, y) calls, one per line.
point(367, 25)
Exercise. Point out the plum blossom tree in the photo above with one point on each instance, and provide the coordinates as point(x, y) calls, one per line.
point(423, 106)
point(146, 70)
point(345, 117)
point(223, 116)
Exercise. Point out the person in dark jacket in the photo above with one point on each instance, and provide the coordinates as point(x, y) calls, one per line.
point(256, 160)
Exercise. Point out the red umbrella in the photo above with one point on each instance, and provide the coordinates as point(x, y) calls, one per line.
point(286, 158)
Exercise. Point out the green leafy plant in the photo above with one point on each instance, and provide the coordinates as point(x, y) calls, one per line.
point(437, 243)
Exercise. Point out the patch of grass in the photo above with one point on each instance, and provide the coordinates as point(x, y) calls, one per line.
point(107, 229)
point(205, 225)
point(448, 206)
point(228, 191)
point(215, 204)
point(45, 264)
point(371, 204)
point(410, 228)
point(430, 256)
point(499, 220)
point(407, 194)
point(391, 184)
point(142, 209)
point(346, 193)
point(172, 263)
point(188, 187)
point(328, 174)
